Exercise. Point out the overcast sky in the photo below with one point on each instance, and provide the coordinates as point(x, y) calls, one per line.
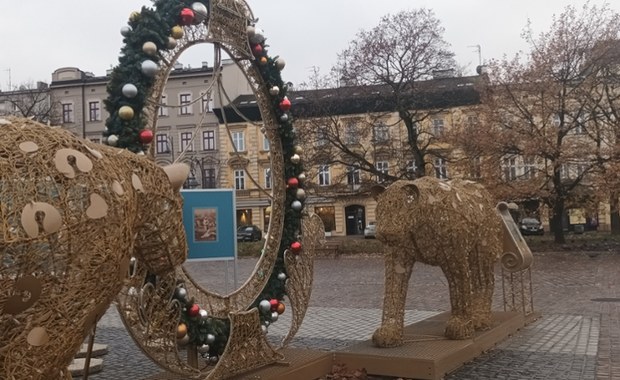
point(39, 36)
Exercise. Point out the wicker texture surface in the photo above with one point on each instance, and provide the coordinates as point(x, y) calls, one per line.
point(452, 225)
point(72, 213)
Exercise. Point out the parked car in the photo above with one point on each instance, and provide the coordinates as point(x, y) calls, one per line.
point(370, 232)
point(249, 233)
point(531, 226)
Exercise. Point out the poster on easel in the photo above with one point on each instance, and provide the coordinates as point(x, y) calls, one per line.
point(210, 224)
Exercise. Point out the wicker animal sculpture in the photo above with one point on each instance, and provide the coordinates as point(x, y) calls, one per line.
point(72, 214)
point(452, 225)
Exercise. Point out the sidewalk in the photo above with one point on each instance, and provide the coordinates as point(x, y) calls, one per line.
point(576, 338)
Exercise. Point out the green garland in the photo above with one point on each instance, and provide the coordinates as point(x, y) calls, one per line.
point(209, 334)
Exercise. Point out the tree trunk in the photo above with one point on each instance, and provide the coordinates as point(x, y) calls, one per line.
point(614, 212)
point(557, 222)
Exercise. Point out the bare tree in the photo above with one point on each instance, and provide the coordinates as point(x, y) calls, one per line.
point(543, 112)
point(384, 71)
point(31, 101)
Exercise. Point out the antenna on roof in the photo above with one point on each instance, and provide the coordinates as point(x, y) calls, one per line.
point(479, 50)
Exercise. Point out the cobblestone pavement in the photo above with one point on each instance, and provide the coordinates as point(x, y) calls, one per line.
point(576, 337)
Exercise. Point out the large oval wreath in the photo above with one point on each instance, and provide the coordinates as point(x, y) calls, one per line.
point(165, 312)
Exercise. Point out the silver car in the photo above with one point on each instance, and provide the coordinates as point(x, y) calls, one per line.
point(370, 231)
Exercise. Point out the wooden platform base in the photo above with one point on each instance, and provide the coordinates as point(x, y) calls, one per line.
point(427, 354)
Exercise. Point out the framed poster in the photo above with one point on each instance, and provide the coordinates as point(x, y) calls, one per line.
point(210, 224)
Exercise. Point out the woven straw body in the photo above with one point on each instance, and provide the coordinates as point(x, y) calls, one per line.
point(72, 215)
point(452, 225)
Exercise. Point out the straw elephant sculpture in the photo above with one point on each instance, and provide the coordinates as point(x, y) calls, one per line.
point(72, 215)
point(453, 225)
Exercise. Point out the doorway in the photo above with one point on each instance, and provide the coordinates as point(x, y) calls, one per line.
point(355, 216)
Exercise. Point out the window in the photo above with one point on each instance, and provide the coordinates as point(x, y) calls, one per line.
point(208, 179)
point(509, 167)
point(186, 142)
point(382, 134)
point(184, 102)
point(94, 111)
point(353, 176)
point(161, 143)
point(529, 167)
point(383, 167)
point(324, 175)
point(556, 120)
point(438, 127)
point(163, 107)
point(240, 179)
point(267, 175)
point(351, 134)
point(411, 168)
point(208, 140)
point(322, 137)
point(239, 141)
point(441, 168)
point(67, 113)
point(266, 145)
point(207, 103)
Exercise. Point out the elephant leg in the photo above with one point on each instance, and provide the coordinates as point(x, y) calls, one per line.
point(460, 324)
point(398, 267)
point(483, 282)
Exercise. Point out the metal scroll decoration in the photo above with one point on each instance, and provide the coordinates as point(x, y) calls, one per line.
point(167, 314)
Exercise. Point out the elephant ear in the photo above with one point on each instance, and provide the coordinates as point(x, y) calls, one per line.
point(377, 190)
point(177, 174)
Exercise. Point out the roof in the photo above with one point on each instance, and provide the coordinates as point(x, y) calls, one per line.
point(350, 100)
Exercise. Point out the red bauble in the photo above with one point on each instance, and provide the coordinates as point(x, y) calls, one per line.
point(274, 304)
point(285, 104)
point(257, 50)
point(296, 247)
point(187, 16)
point(293, 183)
point(194, 310)
point(146, 136)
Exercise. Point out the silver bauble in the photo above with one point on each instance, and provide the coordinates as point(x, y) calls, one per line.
point(300, 194)
point(171, 44)
point(258, 37)
point(264, 329)
point(149, 48)
point(129, 90)
point(264, 306)
point(203, 349)
point(183, 341)
point(281, 276)
point(200, 12)
point(280, 64)
point(297, 206)
point(251, 31)
point(275, 90)
point(213, 359)
point(284, 118)
point(125, 30)
point(112, 140)
point(180, 294)
point(149, 68)
point(274, 316)
point(203, 314)
point(210, 338)
point(295, 158)
point(301, 177)
point(266, 323)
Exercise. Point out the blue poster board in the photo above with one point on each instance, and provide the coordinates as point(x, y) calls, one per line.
point(209, 218)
